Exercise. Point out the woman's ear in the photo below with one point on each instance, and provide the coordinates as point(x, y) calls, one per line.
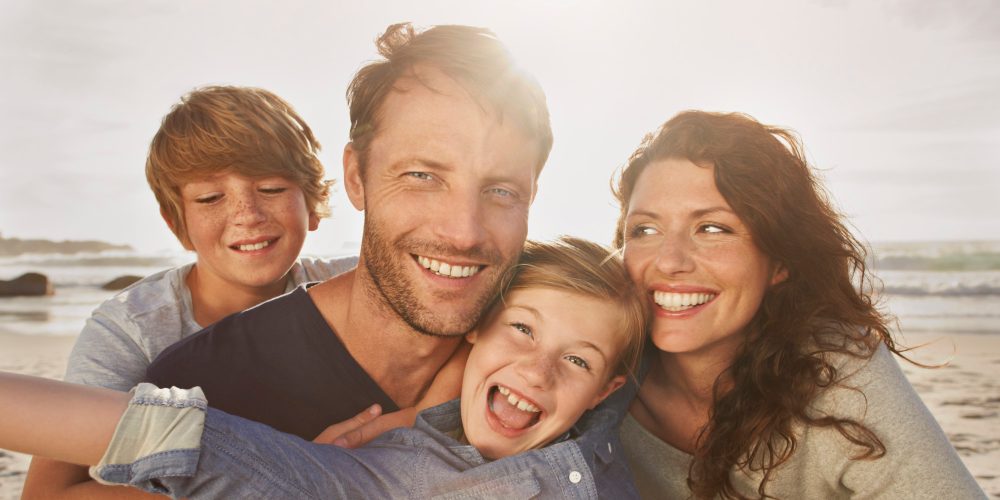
point(616, 382)
point(779, 274)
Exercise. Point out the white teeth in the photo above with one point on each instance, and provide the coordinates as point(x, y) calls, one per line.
point(255, 246)
point(674, 302)
point(446, 269)
point(516, 401)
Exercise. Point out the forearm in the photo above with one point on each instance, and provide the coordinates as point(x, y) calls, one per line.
point(68, 422)
point(52, 480)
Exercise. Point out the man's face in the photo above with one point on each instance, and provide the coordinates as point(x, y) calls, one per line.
point(446, 189)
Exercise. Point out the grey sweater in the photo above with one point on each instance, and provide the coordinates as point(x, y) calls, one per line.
point(919, 461)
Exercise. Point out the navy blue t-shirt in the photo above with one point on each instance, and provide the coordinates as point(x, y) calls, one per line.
point(278, 363)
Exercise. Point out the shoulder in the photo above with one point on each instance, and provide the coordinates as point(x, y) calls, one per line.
point(164, 289)
point(308, 269)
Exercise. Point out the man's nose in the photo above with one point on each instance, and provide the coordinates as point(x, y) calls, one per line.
point(461, 221)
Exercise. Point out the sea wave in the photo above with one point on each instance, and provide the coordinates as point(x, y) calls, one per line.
point(938, 256)
point(96, 259)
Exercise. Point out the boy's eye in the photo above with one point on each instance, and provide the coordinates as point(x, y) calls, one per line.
point(273, 190)
point(577, 360)
point(523, 328)
point(210, 198)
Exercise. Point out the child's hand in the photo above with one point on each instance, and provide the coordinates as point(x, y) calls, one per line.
point(365, 426)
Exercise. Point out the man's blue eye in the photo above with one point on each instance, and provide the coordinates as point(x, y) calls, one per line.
point(424, 176)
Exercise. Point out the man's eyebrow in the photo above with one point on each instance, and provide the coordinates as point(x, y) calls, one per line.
point(421, 162)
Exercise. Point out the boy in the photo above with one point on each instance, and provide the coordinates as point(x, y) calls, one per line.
point(565, 331)
point(236, 175)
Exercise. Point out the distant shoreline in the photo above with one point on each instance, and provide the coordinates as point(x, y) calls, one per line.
point(12, 247)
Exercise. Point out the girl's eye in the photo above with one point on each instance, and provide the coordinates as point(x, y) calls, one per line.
point(207, 199)
point(578, 361)
point(523, 328)
point(273, 190)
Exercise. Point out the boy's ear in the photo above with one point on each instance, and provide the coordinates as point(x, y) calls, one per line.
point(313, 221)
point(185, 242)
point(353, 184)
point(612, 386)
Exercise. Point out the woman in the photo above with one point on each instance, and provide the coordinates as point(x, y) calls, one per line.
point(772, 375)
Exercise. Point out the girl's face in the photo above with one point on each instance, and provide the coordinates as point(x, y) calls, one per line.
point(695, 258)
point(247, 231)
point(542, 358)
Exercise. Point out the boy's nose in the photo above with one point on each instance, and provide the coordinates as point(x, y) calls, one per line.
point(247, 212)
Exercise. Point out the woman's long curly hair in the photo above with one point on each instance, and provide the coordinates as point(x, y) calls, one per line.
point(825, 305)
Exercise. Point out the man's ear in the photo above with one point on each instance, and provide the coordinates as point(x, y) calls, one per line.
point(353, 184)
point(612, 386)
point(779, 274)
point(185, 242)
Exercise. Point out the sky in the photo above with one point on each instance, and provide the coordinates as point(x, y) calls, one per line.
point(897, 102)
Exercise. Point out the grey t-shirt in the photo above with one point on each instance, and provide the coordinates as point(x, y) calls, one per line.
point(126, 333)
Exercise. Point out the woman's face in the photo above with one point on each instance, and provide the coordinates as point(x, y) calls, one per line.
point(695, 259)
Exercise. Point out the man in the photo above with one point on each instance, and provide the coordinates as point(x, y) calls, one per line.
point(447, 141)
point(448, 138)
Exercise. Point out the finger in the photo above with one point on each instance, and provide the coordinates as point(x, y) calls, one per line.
point(369, 431)
point(331, 433)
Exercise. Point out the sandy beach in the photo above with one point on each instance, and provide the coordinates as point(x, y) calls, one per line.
point(964, 395)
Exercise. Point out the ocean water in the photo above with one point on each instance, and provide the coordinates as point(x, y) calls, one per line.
point(930, 287)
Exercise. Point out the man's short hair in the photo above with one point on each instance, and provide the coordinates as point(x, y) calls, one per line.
point(473, 57)
point(249, 130)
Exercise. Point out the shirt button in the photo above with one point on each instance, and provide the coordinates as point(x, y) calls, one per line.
point(575, 477)
point(609, 448)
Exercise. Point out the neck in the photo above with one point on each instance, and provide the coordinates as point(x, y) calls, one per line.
point(401, 360)
point(676, 397)
point(213, 300)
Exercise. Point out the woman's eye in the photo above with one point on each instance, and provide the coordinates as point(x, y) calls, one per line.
point(713, 229)
point(523, 328)
point(578, 361)
point(207, 199)
point(641, 230)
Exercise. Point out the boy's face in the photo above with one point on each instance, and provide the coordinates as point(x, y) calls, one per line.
point(538, 362)
point(247, 231)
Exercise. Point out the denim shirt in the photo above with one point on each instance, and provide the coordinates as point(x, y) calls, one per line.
point(237, 458)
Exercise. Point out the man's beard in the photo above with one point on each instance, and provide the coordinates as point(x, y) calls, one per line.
point(396, 289)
